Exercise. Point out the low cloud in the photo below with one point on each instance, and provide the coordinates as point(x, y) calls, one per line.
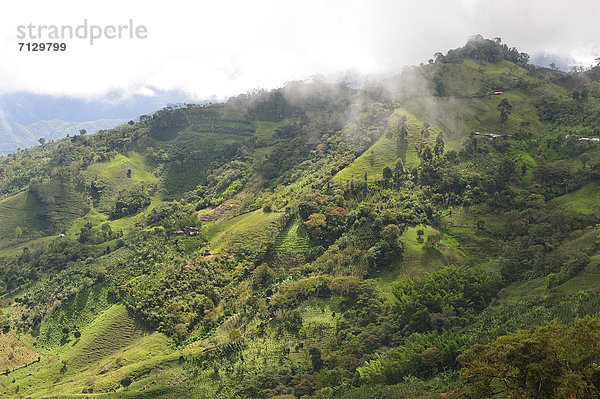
point(218, 49)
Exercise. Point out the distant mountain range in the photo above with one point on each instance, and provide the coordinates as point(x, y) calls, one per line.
point(26, 117)
point(14, 135)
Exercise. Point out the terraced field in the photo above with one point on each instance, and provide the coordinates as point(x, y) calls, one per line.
point(78, 311)
point(20, 210)
point(112, 331)
point(293, 239)
point(240, 229)
point(321, 312)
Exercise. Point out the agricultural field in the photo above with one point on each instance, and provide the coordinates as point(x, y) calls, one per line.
point(314, 241)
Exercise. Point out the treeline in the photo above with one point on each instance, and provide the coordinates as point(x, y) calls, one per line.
point(479, 48)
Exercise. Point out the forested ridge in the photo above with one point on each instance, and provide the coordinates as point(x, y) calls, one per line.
point(434, 234)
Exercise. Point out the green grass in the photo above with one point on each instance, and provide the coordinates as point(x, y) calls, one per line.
point(470, 244)
point(265, 129)
point(21, 210)
point(129, 222)
point(417, 260)
point(385, 151)
point(116, 169)
point(64, 201)
point(10, 248)
point(93, 216)
point(74, 314)
point(523, 158)
point(261, 153)
point(458, 245)
point(320, 312)
point(182, 177)
point(586, 279)
point(113, 345)
point(110, 332)
point(460, 116)
point(586, 200)
point(148, 360)
point(522, 291)
point(293, 239)
point(225, 232)
point(473, 77)
point(113, 174)
point(126, 223)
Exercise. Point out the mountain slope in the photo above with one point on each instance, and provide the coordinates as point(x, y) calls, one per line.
point(311, 241)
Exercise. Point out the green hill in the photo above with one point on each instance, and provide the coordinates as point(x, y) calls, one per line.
point(314, 241)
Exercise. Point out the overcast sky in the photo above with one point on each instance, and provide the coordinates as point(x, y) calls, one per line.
point(221, 48)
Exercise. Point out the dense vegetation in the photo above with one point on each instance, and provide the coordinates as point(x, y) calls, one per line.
point(418, 237)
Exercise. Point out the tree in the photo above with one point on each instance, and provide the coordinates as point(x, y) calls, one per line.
point(426, 154)
point(553, 361)
point(439, 87)
point(235, 335)
point(585, 158)
point(82, 132)
point(315, 225)
point(401, 132)
point(505, 108)
point(106, 230)
point(438, 150)
point(398, 170)
point(315, 358)
point(42, 141)
point(86, 232)
point(506, 171)
point(18, 232)
point(425, 130)
point(387, 173)
point(262, 276)
point(583, 95)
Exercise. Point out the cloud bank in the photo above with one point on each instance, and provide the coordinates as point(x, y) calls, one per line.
point(218, 49)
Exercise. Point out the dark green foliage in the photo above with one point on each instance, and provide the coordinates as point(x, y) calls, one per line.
point(342, 307)
point(388, 250)
point(479, 48)
point(534, 237)
point(505, 109)
point(443, 299)
point(552, 361)
point(421, 355)
point(129, 203)
point(315, 358)
point(61, 254)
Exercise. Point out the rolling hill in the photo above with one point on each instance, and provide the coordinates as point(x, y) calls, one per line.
point(314, 241)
